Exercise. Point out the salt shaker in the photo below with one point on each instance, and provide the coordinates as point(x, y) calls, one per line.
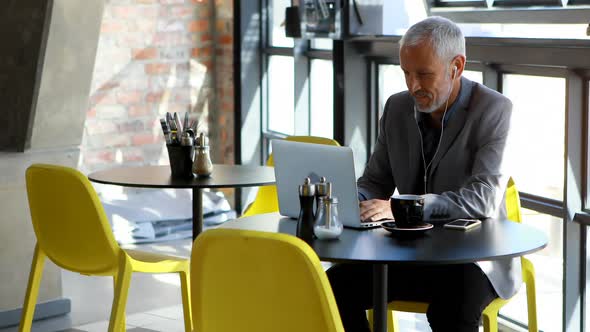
point(327, 223)
point(305, 220)
point(202, 165)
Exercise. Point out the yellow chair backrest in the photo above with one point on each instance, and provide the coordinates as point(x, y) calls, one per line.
point(305, 139)
point(255, 281)
point(266, 200)
point(512, 202)
point(69, 220)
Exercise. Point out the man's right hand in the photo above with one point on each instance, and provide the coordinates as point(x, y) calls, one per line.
point(375, 209)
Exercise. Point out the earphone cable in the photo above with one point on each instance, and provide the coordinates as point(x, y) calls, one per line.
point(426, 167)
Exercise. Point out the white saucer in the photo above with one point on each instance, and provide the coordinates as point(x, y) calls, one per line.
point(391, 227)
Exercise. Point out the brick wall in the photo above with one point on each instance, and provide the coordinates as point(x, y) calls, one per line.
point(158, 56)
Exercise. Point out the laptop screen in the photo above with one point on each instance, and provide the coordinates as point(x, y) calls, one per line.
point(294, 161)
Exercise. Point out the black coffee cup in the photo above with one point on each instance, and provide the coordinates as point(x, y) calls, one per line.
point(408, 210)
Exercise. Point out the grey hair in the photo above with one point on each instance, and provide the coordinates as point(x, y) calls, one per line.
point(444, 35)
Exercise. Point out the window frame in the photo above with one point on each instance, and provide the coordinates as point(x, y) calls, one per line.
point(303, 55)
point(542, 11)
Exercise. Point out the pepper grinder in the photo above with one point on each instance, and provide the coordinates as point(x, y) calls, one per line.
point(321, 191)
point(306, 219)
point(202, 165)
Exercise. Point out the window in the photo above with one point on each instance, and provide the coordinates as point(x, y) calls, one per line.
point(321, 101)
point(391, 81)
point(587, 180)
point(496, 14)
point(297, 92)
point(281, 107)
point(277, 22)
point(321, 44)
point(536, 146)
point(548, 265)
point(473, 75)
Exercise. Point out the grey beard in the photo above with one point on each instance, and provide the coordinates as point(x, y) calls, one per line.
point(435, 106)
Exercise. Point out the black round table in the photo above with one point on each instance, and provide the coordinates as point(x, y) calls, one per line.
point(223, 176)
point(494, 239)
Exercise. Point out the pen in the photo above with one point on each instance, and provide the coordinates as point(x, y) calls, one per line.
point(166, 131)
point(169, 119)
point(185, 125)
point(177, 123)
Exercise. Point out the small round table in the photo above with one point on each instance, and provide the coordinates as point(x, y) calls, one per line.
point(223, 176)
point(494, 239)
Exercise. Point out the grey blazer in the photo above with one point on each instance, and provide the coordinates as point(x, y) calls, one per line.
point(467, 176)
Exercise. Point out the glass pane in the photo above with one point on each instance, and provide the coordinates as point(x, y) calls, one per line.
point(587, 198)
point(321, 44)
point(391, 81)
point(281, 110)
point(528, 30)
point(548, 265)
point(473, 75)
point(321, 99)
point(587, 298)
point(536, 145)
point(277, 24)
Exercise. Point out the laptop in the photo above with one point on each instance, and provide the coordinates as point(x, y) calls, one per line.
point(294, 161)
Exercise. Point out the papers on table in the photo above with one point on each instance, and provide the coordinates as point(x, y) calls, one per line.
point(148, 215)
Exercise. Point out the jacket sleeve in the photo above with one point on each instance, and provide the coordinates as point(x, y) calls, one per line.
point(377, 180)
point(482, 193)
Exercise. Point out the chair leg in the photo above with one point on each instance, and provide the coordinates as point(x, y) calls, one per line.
point(490, 324)
point(532, 305)
point(186, 300)
point(32, 290)
point(490, 320)
point(122, 280)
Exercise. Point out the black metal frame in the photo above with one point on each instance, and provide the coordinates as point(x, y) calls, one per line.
point(526, 3)
point(466, 3)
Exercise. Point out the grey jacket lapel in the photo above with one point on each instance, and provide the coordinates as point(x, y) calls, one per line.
point(454, 127)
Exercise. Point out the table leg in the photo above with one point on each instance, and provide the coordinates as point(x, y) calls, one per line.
point(380, 298)
point(197, 212)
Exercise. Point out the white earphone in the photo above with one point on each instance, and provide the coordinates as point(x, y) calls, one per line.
point(427, 166)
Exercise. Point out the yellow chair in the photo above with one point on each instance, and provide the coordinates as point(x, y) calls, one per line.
point(253, 281)
point(266, 200)
point(490, 313)
point(73, 231)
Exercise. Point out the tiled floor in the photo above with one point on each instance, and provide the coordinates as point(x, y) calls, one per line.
point(154, 301)
point(159, 320)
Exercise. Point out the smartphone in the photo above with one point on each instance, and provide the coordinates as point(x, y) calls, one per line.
point(463, 224)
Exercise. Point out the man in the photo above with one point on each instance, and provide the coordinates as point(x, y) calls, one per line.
point(443, 138)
